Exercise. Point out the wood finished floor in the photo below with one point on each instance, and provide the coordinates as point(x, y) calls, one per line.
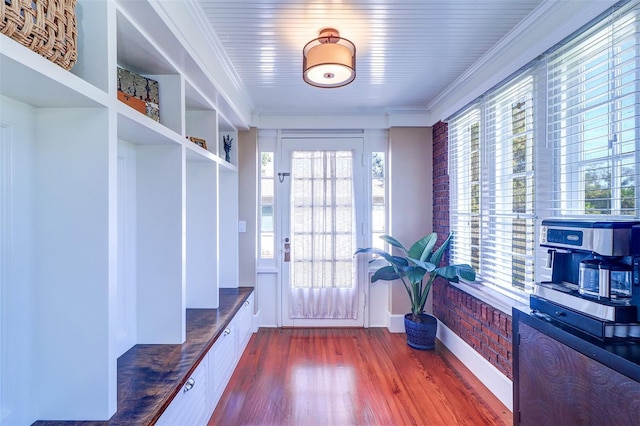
point(351, 377)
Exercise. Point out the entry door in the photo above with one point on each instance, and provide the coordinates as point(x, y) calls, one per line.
point(321, 213)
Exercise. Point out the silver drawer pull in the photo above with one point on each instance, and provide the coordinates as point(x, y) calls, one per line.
point(246, 303)
point(227, 331)
point(189, 385)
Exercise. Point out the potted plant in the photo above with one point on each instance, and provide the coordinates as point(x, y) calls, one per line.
point(417, 268)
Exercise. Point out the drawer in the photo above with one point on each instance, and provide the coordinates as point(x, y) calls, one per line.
point(221, 364)
point(189, 407)
point(243, 323)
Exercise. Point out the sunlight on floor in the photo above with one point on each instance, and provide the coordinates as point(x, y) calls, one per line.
point(324, 393)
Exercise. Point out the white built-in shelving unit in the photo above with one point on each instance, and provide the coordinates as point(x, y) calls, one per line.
point(112, 224)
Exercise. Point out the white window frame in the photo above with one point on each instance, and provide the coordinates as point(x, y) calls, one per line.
point(577, 100)
point(496, 184)
point(267, 142)
point(550, 197)
point(376, 141)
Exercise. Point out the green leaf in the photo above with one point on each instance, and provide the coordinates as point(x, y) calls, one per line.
point(418, 269)
point(421, 249)
point(415, 273)
point(452, 272)
point(370, 250)
point(389, 239)
point(466, 272)
point(386, 273)
point(448, 272)
point(437, 255)
point(426, 265)
point(388, 257)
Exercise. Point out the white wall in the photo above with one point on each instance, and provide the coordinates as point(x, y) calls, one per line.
point(126, 319)
point(411, 195)
point(17, 313)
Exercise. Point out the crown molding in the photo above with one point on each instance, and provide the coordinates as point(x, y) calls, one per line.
point(371, 120)
point(187, 20)
point(547, 25)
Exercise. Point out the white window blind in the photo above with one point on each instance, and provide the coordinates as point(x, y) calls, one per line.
point(508, 227)
point(561, 138)
point(592, 107)
point(464, 173)
point(492, 211)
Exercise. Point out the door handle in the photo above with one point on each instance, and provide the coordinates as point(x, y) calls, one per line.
point(189, 385)
point(287, 250)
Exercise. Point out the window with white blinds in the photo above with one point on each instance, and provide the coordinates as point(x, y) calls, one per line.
point(593, 98)
point(464, 166)
point(491, 154)
point(508, 190)
point(560, 138)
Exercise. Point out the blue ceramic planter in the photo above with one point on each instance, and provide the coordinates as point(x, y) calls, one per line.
point(421, 335)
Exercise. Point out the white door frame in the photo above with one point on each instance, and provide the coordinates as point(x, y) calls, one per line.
point(320, 143)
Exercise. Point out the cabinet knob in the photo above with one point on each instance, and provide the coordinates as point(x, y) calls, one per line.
point(227, 331)
point(189, 385)
point(246, 303)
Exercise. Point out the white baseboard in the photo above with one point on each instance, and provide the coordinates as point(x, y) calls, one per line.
point(395, 323)
point(493, 379)
point(257, 322)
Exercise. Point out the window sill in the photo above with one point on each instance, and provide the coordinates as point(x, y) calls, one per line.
point(491, 297)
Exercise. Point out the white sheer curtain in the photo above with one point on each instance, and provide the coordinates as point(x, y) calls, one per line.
point(323, 269)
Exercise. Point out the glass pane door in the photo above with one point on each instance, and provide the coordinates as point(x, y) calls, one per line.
point(323, 192)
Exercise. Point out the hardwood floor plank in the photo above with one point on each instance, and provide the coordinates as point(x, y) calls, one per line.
point(350, 377)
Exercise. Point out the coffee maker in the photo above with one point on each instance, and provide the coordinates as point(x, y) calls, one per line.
point(595, 276)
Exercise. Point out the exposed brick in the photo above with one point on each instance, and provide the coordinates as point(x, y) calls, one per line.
point(490, 335)
point(499, 349)
point(473, 323)
point(485, 314)
point(503, 323)
point(472, 341)
point(483, 327)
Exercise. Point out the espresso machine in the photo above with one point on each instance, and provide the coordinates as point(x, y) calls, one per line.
point(595, 276)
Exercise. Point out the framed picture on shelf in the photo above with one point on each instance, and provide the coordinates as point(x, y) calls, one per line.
point(198, 141)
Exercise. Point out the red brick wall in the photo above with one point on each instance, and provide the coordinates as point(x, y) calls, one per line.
point(486, 329)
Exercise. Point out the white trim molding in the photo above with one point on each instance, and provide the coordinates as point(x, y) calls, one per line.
point(6, 263)
point(499, 384)
point(255, 325)
point(396, 323)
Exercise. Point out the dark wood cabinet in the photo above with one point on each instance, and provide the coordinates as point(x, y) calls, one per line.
point(559, 380)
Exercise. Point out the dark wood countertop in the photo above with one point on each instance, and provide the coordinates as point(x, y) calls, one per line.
point(621, 356)
point(149, 376)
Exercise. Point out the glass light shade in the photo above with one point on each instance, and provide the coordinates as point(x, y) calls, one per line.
point(329, 61)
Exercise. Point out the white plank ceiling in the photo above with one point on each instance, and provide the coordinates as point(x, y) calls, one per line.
point(408, 51)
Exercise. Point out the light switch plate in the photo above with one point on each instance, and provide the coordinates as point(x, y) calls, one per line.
point(242, 226)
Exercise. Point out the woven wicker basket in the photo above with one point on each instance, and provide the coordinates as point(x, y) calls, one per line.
point(47, 27)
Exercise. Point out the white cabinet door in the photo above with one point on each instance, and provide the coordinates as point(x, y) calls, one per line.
point(189, 407)
point(227, 351)
point(244, 326)
point(221, 363)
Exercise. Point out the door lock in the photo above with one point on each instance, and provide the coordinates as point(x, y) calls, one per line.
point(287, 250)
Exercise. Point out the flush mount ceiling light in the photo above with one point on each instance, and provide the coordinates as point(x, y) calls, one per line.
point(329, 60)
